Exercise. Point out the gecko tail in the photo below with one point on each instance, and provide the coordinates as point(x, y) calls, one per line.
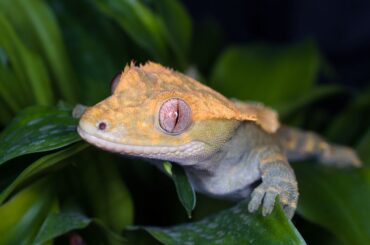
point(303, 145)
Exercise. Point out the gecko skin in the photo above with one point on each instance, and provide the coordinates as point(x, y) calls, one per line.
point(229, 149)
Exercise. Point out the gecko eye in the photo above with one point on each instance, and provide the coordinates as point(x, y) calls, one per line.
point(114, 81)
point(174, 116)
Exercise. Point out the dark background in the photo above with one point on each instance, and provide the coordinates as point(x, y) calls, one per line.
point(341, 29)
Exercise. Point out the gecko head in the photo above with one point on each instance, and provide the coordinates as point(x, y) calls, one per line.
point(158, 113)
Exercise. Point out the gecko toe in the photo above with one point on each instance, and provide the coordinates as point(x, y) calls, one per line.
point(289, 201)
point(256, 199)
point(289, 211)
point(269, 202)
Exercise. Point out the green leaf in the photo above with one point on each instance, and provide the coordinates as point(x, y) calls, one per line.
point(337, 200)
point(92, 51)
point(232, 226)
point(311, 96)
point(142, 25)
point(184, 189)
point(37, 129)
point(99, 187)
point(57, 224)
point(167, 166)
point(264, 73)
point(112, 201)
point(45, 164)
point(15, 51)
point(178, 27)
point(38, 27)
point(5, 114)
point(23, 215)
point(9, 91)
point(349, 126)
point(28, 66)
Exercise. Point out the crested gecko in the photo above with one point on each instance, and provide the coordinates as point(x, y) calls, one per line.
point(229, 149)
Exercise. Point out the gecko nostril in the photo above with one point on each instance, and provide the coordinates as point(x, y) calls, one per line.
point(102, 126)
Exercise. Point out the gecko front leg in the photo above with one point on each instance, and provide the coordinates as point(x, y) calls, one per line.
point(278, 180)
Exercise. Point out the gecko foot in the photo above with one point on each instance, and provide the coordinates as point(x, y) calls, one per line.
point(265, 194)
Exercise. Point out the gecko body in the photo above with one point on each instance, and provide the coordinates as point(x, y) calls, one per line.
point(229, 149)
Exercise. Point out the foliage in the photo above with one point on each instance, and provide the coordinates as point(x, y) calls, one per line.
point(232, 226)
point(54, 187)
point(184, 188)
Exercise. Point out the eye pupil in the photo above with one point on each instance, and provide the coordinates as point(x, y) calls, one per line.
point(102, 126)
point(174, 116)
point(177, 113)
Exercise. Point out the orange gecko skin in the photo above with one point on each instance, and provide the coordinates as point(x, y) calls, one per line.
point(156, 83)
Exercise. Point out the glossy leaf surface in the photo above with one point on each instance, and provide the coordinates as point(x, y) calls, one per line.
point(232, 226)
point(37, 129)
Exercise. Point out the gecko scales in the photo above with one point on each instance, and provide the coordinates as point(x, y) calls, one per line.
point(229, 149)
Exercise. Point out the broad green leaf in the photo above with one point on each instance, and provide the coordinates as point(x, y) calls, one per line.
point(141, 24)
point(232, 226)
point(92, 51)
point(312, 96)
point(349, 126)
point(337, 200)
point(39, 79)
point(28, 66)
point(57, 224)
point(37, 129)
point(110, 197)
point(264, 73)
point(5, 113)
point(3, 57)
point(38, 27)
point(40, 167)
point(178, 27)
point(100, 189)
point(8, 90)
point(14, 52)
point(106, 235)
point(184, 189)
point(23, 215)
point(100, 44)
point(139, 237)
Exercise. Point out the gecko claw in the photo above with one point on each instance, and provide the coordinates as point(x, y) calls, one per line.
point(265, 194)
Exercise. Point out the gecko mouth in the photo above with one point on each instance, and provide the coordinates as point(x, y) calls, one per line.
point(170, 153)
